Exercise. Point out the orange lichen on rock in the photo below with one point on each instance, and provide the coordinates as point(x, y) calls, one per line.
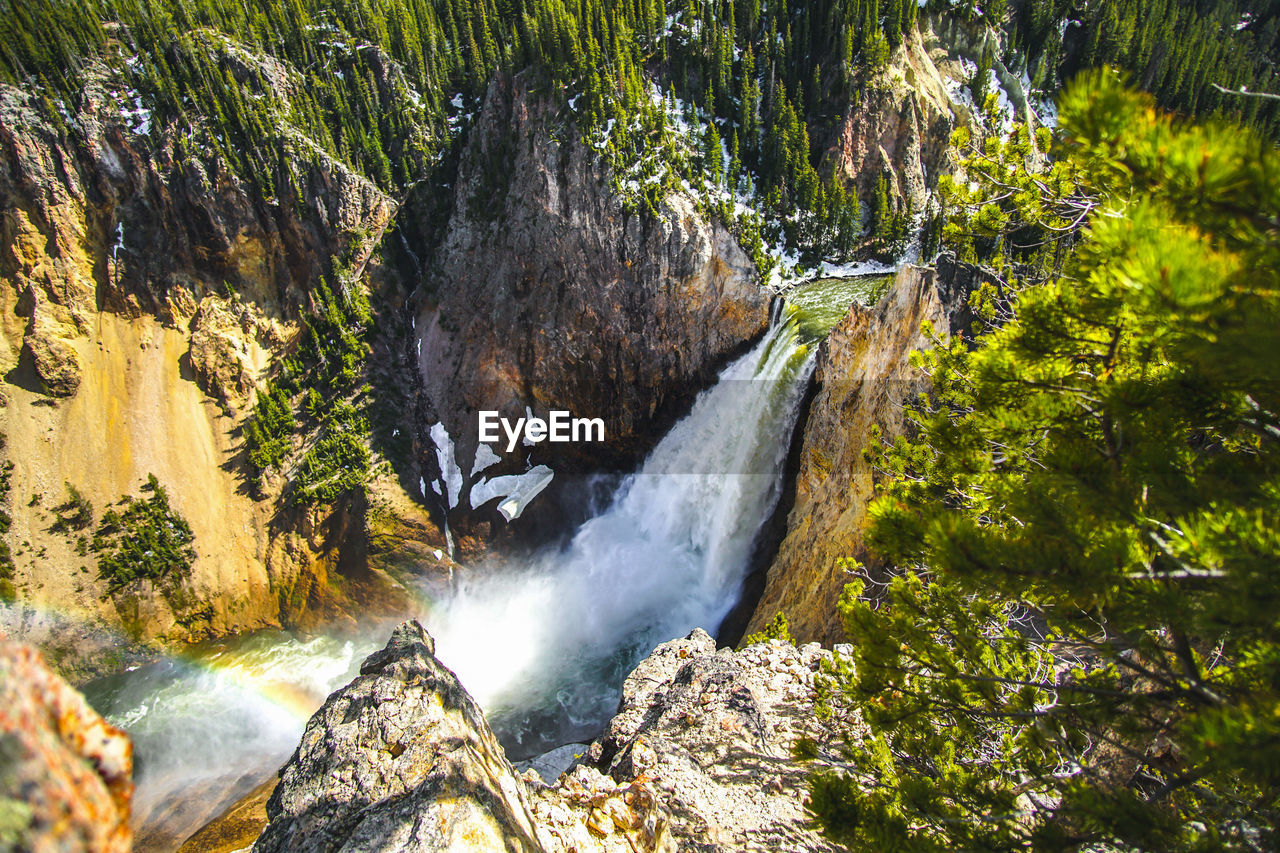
point(66, 775)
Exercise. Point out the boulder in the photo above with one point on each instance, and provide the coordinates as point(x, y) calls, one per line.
point(399, 759)
point(714, 734)
point(66, 775)
point(56, 362)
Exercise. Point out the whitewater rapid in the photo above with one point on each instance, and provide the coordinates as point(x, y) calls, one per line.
point(545, 648)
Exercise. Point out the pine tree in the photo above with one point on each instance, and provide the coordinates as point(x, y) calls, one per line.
point(980, 83)
point(881, 210)
point(1080, 650)
point(735, 162)
point(712, 153)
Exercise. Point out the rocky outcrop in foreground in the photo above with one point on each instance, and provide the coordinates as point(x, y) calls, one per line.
point(399, 759)
point(65, 774)
point(864, 376)
point(712, 735)
point(699, 757)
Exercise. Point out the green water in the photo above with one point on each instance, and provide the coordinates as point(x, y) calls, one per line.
point(822, 303)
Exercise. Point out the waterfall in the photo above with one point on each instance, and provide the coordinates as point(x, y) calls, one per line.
point(545, 648)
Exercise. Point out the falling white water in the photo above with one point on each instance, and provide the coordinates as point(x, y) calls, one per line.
point(545, 649)
point(544, 646)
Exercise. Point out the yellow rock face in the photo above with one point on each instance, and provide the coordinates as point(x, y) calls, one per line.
point(865, 378)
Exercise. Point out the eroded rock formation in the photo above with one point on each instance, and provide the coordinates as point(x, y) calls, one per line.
point(713, 733)
point(899, 126)
point(145, 291)
point(549, 293)
point(865, 377)
point(699, 757)
point(399, 759)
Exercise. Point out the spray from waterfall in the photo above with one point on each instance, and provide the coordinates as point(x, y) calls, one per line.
point(545, 649)
point(209, 726)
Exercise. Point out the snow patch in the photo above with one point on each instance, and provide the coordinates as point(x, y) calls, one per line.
point(528, 416)
point(516, 490)
point(449, 470)
point(139, 117)
point(485, 458)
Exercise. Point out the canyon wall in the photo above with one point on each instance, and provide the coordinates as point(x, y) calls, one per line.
point(549, 293)
point(899, 126)
point(144, 295)
point(864, 378)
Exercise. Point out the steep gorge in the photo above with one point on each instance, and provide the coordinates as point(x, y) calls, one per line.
point(149, 296)
point(864, 378)
point(279, 301)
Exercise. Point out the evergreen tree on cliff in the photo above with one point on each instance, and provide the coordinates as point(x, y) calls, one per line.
point(1082, 646)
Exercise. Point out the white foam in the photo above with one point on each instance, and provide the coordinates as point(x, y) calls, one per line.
point(667, 555)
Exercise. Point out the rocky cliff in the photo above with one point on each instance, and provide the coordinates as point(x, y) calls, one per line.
point(65, 774)
point(549, 293)
point(899, 126)
point(715, 734)
point(403, 759)
point(699, 757)
point(864, 378)
point(145, 292)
